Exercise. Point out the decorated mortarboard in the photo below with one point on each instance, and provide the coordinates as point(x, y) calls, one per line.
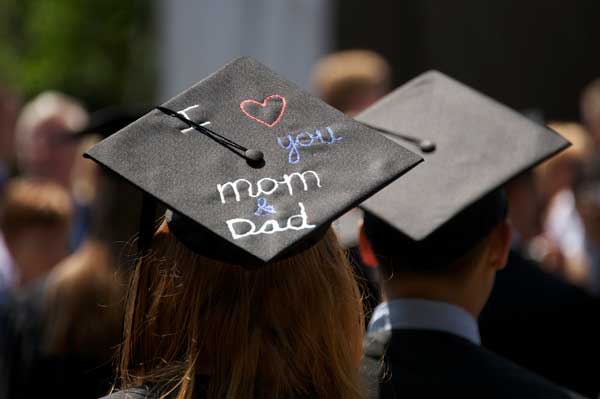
point(251, 167)
point(472, 146)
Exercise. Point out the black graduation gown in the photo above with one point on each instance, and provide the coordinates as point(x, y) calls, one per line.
point(435, 364)
point(544, 324)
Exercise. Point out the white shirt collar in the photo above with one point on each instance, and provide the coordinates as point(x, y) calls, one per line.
point(423, 314)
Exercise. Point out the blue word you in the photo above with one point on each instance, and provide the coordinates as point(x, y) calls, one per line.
point(304, 139)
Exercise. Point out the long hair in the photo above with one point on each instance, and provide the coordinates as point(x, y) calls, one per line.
point(291, 329)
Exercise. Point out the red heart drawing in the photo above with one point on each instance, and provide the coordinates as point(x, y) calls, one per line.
point(269, 112)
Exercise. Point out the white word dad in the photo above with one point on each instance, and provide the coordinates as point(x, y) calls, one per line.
point(248, 228)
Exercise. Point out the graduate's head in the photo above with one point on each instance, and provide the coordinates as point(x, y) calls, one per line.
point(442, 250)
point(456, 263)
point(449, 214)
point(291, 325)
point(244, 280)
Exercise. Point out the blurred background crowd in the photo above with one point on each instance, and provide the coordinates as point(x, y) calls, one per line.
point(72, 72)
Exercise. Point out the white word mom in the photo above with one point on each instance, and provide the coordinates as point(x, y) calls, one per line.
point(267, 186)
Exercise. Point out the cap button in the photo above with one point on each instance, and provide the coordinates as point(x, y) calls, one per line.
point(427, 146)
point(253, 155)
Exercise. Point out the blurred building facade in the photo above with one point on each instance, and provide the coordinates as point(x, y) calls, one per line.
point(196, 37)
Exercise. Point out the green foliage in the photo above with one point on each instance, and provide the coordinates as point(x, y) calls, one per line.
point(98, 50)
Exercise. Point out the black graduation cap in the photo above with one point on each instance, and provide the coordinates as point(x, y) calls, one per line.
point(251, 166)
point(472, 146)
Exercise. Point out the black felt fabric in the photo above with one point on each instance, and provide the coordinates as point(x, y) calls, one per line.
point(332, 163)
point(480, 145)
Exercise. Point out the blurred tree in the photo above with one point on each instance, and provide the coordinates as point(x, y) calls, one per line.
point(99, 51)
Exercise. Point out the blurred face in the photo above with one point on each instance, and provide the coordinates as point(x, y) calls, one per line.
point(50, 153)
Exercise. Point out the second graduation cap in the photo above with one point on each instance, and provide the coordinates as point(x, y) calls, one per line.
point(251, 166)
point(472, 146)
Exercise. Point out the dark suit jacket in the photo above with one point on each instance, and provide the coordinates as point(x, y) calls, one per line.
point(428, 364)
point(544, 324)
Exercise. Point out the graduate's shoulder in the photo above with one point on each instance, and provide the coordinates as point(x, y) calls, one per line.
point(433, 361)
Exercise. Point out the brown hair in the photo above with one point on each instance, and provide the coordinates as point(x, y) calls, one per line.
point(339, 77)
point(290, 329)
point(31, 203)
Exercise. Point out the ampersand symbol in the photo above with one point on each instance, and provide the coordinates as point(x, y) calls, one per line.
point(263, 208)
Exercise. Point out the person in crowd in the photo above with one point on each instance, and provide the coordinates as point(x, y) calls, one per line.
point(351, 80)
point(440, 235)
point(590, 111)
point(531, 311)
point(42, 144)
point(46, 148)
point(34, 220)
point(560, 249)
point(215, 307)
point(66, 329)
